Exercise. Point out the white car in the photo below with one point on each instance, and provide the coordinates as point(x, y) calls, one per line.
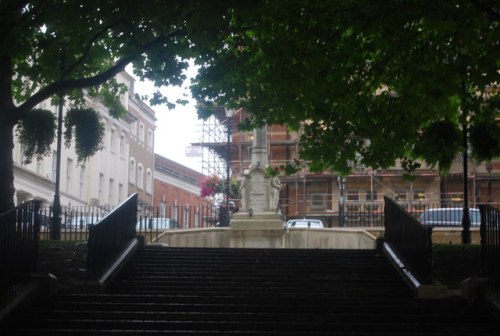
point(304, 223)
point(449, 217)
point(81, 222)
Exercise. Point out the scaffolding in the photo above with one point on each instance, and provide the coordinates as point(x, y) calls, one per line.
point(214, 145)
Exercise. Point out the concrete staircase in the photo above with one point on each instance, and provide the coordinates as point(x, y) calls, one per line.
point(189, 291)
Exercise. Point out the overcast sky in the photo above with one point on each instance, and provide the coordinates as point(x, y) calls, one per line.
point(175, 129)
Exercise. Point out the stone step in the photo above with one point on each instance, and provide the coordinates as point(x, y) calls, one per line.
point(192, 291)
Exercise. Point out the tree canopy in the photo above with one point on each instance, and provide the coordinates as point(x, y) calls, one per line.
point(372, 82)
point(52, 47)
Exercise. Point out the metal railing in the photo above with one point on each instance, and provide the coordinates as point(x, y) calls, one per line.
point(490, 247)
point(109, 237)
point(411, 241)
point(18, 249)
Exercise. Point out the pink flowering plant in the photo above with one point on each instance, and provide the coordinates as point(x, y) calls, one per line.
point(211, 185)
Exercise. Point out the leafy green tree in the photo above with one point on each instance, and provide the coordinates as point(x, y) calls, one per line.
point(372, 82)
point(55, 48)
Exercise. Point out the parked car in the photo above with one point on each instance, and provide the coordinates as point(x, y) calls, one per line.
point(449, 217)
point(304, 223)
point(156, 223)
point(80, 222)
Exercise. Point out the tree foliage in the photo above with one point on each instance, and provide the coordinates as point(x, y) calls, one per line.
point(370, 81)
point(52, 46)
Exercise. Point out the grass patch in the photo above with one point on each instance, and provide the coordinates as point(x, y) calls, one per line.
point(453, 263)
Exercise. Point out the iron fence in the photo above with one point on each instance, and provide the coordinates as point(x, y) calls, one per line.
point(490, 247)
point(19, 229)
point(411, 241)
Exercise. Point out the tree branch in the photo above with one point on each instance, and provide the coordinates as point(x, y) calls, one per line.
point(100, 78)
point(87, 49)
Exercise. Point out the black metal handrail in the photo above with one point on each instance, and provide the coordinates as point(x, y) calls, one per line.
point(111, 236)
point(490, 247)
point(410, 240)
point(19, 228)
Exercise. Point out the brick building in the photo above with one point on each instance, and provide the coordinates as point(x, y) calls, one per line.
point(340, 200)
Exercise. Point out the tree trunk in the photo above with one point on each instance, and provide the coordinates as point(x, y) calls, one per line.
point(6, 167)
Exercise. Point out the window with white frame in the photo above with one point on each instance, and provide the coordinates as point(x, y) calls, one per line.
point(122, 145)
point(150, 138)
point(149, 181)
point(101, 186)
point(22, 157)
point(39, 165)
point(82, 181)
point(110, 191)
point(69, 174)
point(120, 193)
point(141, 132)
point(112, 140)
point(140, 176)
point(132, 172)
point(133, 128)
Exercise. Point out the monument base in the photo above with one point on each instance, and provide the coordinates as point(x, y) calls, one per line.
point(262, 230)
point(259, 221)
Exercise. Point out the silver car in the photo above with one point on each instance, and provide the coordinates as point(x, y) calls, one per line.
point(449, 217)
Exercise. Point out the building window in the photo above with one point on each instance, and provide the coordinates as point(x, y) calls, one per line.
point(369, 197)
point(141, 132)
point(353, 195)
point(150, 138)
point(112, 140)
point(82, 182)
point(318, 201)
point(140, 176)
point(149, 181)
point(101, 186)
point(352, 202)
point(122, 145)
point(110, 191)
point(120, 193)
point(22, 157)
point(69, 175)
point(132, 171)
point(133, 128)
point(400, 195)
point(39, 165)
point(419, 195)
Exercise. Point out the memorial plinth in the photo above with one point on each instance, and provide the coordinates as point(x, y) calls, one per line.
point(257, 223)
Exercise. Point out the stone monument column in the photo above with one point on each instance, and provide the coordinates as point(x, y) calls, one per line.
point(257, 224)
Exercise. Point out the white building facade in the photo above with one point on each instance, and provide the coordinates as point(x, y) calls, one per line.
point(103, 180)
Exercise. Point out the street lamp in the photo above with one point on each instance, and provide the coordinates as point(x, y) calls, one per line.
point(341, 181)
point(229, 114)
point(55, 230)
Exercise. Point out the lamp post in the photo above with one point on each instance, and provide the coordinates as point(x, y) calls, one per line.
point(55, 232)
point(229, 114)
point(341, 181)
